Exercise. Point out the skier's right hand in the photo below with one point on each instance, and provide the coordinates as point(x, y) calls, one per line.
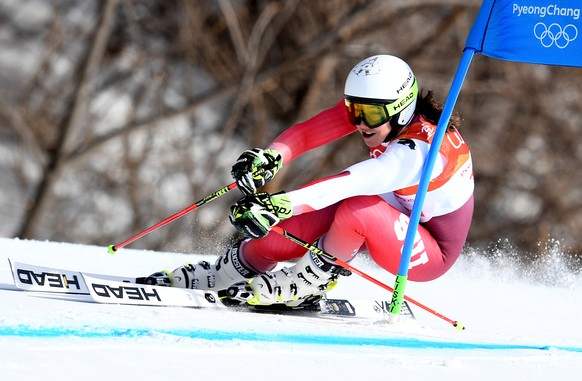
point(254, 168)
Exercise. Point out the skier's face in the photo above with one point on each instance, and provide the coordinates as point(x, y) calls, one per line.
point(373, 137)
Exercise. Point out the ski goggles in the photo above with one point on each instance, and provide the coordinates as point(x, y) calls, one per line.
point(375, 113)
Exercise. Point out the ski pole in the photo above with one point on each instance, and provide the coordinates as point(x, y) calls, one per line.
point(113, 248)
point(457, 324)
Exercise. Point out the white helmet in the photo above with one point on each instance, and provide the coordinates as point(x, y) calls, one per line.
point(388, 80)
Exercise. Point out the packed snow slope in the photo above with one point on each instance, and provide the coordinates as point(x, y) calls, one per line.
point(519, 326)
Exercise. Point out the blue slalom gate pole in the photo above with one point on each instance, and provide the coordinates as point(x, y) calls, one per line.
point(411, 233)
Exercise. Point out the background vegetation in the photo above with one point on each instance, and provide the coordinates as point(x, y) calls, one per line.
point(115, 114)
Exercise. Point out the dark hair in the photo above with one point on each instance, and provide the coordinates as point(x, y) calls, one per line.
point(432, 110)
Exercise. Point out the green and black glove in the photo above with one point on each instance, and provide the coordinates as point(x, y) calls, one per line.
point(254, 168)
point(253, 215)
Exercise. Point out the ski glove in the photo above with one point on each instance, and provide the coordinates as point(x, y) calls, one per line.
point(254, 168)
point(253, 215)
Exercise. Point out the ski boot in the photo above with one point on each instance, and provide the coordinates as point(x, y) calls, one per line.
point(227, 276)
point(310, 277)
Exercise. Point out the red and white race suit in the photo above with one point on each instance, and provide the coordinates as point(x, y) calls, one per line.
point(367, 206)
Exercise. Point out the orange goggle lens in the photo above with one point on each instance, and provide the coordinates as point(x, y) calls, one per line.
point(373, 115)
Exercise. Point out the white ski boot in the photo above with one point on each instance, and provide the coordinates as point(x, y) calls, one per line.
point(226, 272)
point(311, 276)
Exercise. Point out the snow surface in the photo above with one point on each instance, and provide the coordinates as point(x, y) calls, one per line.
point(518, 328)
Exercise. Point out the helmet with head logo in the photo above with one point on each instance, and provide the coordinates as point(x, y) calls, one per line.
point(384, 80)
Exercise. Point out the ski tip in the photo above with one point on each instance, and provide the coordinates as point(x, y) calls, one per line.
point(111, 249)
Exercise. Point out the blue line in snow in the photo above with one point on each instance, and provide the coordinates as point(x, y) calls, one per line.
point(214, 335)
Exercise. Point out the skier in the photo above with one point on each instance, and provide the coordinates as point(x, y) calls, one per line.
point(364, 208)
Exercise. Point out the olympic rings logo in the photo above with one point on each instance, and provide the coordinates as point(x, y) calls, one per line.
point(555, 34)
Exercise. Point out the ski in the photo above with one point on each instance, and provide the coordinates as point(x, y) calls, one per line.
point(103, 289)
point(49, 279)
point(111, 289)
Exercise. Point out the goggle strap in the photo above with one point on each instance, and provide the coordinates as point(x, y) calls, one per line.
point(404, 101)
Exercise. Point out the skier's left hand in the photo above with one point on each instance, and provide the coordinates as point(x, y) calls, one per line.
point(254, 215)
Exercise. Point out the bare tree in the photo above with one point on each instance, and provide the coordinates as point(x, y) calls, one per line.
point(128, 111)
